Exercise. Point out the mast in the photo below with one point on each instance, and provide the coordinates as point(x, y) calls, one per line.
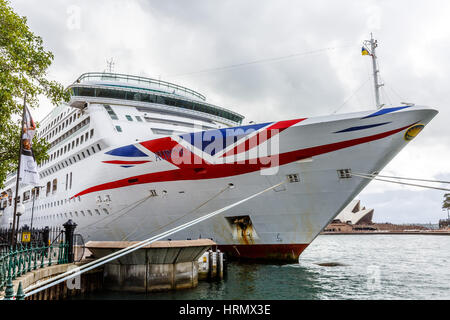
point(373, 44)
point(13, 234)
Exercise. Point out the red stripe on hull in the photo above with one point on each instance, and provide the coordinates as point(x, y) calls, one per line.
point(200, 169)
point(265, 252)
point(261, 137)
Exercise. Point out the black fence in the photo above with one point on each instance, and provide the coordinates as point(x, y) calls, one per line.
point(47, 236)
point(42, 236)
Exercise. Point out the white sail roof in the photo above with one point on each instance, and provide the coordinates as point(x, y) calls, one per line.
point(354, 214)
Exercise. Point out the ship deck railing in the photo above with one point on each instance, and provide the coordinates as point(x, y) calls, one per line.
point(99, 76)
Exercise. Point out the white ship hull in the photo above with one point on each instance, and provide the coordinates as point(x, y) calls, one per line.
point(118, 197)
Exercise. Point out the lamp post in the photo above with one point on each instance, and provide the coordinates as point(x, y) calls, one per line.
point(10, 221)
point(36, 191)
point(20, 211)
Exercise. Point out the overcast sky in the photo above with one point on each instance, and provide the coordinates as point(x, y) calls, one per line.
point(321, 70)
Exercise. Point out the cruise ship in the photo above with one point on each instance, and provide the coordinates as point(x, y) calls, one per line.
point(131, 157)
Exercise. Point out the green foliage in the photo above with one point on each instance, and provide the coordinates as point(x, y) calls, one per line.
point(446, 202)
point(23, 69)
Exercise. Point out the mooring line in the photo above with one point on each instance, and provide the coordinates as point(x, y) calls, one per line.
point(171, 222)
point(94, 264)
point(112, 215)
point(370, 177)
point(403, 178)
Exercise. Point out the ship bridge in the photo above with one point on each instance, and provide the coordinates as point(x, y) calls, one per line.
point(101, 87)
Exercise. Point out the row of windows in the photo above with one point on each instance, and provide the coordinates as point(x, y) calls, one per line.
point(69, 161)
point(56, 203)
point(130, 118)
point(153, 98)
point(71, 145)
point(71, 132)
point(81, 213)
point(50, 134)
point(51, 188)
point(113, 116)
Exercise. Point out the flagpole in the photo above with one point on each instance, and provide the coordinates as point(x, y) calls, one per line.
point(373, 45)
point(13, 234)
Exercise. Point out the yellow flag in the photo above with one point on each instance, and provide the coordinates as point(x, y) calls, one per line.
point(364, 52)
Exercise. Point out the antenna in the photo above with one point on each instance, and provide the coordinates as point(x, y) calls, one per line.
point(110, 65)
point(373, 44)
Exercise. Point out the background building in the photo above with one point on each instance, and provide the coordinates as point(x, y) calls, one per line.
point(354, 214)
point(352, 218)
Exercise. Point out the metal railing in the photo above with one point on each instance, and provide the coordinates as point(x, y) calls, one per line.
point(36, 236)
point(21, 259)
point(35, 249)
point(93, 76)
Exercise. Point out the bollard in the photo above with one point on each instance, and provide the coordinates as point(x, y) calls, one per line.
point(219, 269)
point(46, 236)
point(20, 295)
point(210, 265)
point(9, 292)
point(69, 227)
point(2, 278)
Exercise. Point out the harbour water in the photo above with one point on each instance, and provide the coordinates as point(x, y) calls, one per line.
point(382, 267)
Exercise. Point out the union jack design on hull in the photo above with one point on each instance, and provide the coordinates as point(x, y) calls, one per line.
point(137, 173)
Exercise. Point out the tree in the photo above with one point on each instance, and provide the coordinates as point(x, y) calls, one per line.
point(446, 202)
point(23, 70)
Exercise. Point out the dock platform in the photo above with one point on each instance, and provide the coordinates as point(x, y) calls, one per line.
point(159, 266)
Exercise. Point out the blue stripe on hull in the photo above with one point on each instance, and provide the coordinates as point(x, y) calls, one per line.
point(362, 127)
point(127, 151)
point(384, 111)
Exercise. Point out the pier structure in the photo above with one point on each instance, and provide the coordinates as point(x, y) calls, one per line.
point(87, 283)
point(159, 266)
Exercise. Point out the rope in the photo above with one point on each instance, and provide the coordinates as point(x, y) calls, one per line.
point(401, 178)
point(351, 96)
point(397, 182)
point(171, 222)
point(370, 76)
point(395, 92)
point(257, 62)
point(112, 215)
point(95, 264)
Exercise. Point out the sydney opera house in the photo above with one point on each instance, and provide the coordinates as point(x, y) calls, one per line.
point(354, 217)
